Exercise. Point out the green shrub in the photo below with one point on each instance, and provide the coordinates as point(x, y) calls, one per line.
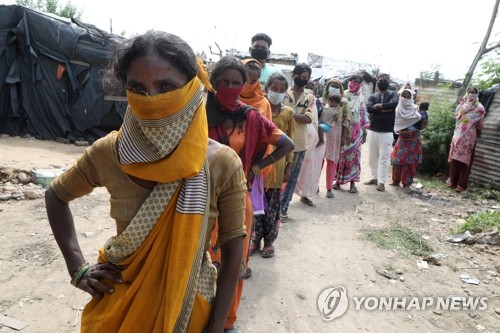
point(480, 222)
point(437, 136)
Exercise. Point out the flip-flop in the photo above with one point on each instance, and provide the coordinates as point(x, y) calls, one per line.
point(353, 190)
point(247, 274)
point(284, 217)
point(269, 253)
point(253, 249)
point(307, 201)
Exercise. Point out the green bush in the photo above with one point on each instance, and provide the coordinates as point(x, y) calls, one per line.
point(437, 136)
point(480, 222)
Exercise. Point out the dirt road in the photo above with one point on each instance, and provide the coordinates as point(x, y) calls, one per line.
point(320, 248)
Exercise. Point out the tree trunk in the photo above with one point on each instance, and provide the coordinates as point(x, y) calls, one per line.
point(482, 51)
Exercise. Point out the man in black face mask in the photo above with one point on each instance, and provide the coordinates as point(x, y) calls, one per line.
point(381, 108)
point(303, 104)
point(260, 51)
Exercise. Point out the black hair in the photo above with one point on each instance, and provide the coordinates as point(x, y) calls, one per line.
point(384, 74)
point(301, 68)
point(225, 63)
point(262, 36)
point(355, 77)
point(168, 46)
point(473, 87)
point(335, 97)
point(253, 66)
point(424, 106)
point(276, 76)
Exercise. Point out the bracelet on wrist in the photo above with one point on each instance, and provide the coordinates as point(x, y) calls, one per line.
point(80, 272)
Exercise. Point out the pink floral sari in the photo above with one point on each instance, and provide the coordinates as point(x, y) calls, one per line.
point(469, 116)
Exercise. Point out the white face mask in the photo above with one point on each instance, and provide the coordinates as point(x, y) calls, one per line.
point(333, 90)
point(407, 102)
point(274, 97)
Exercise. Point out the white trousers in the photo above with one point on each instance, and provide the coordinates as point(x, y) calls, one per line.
point(379, 152)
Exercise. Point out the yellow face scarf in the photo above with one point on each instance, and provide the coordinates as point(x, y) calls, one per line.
point(164, 137)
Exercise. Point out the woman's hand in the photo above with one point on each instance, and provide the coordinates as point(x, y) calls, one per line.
point(92, 281)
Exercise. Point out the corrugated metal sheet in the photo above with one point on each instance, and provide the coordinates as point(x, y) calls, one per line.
point(486, 165)
point(426, 94)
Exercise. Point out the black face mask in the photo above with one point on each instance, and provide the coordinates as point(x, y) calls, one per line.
point(300, 82)
point(259, 54)
point(383, 85)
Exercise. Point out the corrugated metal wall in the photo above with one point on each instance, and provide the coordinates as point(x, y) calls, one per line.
point(486, 165)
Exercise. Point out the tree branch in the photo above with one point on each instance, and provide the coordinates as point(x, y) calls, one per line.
point(491, 48)
point(482, 50)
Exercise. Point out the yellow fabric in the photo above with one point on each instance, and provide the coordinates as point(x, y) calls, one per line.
point(198, 321)
point(203, 74)
point(189, 156)
point(155, 278)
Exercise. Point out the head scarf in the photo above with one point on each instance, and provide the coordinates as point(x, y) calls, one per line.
point(244, 115)
point(159, 132)
point(406, 113)
point(329, 83)
point(252, 95)
point(467, 114)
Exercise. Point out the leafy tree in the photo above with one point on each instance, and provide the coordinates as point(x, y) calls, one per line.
point(429, 74)
point(483, 49)
point(489, 74)
point(52, 6)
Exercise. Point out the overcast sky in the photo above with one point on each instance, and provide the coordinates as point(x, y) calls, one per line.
point(402, 37)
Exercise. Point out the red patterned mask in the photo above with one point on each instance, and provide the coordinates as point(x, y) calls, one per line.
point(354, 86)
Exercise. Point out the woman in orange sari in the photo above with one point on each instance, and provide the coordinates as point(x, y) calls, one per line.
point(155, 275)
point(244, 129)
point(252, 95)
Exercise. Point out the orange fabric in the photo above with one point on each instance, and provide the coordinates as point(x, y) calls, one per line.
point(155, 277)
point(253, 96)
point(237, 140)
point(233, 310)
point(215, 255)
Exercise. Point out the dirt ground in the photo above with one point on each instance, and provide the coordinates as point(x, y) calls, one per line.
point(320, 248)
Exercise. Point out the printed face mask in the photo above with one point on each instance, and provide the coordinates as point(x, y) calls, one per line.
point(274, 97)
point(472, 97)
point(354, 86)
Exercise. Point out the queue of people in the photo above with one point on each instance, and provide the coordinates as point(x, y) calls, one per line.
point(203, 169)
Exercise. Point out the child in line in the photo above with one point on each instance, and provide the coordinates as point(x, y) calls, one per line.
point(266, 226)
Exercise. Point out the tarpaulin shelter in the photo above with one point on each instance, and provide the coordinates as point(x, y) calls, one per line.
point(51, 77)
